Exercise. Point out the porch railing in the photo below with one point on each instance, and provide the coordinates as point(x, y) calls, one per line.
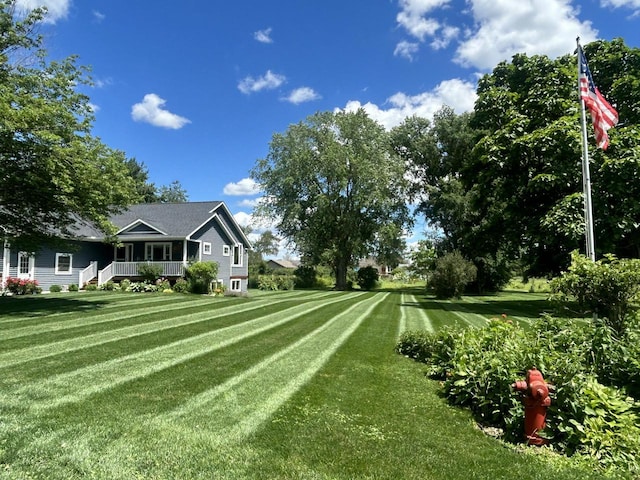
point(130, 269)
point(88, 274)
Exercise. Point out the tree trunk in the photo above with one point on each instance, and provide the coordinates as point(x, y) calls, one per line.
point(341, 273)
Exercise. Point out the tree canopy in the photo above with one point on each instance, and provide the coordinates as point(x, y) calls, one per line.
point(334, 187)
point(52, 170)
point(504, 183)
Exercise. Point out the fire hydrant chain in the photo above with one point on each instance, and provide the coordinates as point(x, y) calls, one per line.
point(536, 401)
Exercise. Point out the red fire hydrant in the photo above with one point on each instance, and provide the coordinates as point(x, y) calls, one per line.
point(536, 400)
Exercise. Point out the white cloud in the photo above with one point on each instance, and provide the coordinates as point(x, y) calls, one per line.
point(406, 49)
point(263, 36)
point(246, 186)
point(56, 9)
point(268, 81)
point(547, 27)
point(498, 29)
point(621, 3)
point(455, 93)
point(445, 38)
point(150, 111)
point(632, 4)
point(98, 16)
point(243, 218)
point(93, 107)
point(413, 17)
point(301, 95)
point(250, 202)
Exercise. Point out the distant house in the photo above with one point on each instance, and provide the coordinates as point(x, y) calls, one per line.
point(280, 264)
point(167, 234)
point(383, 270)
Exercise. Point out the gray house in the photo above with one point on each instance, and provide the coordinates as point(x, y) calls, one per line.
point(167, 234)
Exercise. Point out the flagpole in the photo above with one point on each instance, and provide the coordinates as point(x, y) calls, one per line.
point(586, 176)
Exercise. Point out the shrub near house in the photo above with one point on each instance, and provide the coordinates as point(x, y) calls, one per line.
point(22, 286)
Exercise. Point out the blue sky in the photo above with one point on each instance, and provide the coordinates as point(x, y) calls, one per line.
point(196, 89)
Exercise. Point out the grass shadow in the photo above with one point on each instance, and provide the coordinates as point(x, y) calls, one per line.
point(31, 306)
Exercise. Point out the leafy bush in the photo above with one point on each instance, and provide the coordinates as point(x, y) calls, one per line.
point(91, 287)
point(180, 285)
point(22, 286)
point(108, 286)
point(451, 275)
point(607, 287)
point(150, 272)
point(368, 278)
point(55, 288)
point(200, 275)
point(143, 287)
point(276, 282)
point(305, 276)
point(73, 287)
point(124, 285)
point(478, 366)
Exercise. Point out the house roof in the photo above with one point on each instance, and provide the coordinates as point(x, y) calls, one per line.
point(282, 263)
point(179, 220)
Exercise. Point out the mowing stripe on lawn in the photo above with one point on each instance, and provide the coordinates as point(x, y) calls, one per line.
point(402, 325)
point(45, 311)
point(15, 357)
point(141, 308)
point(521, 316)
point(469, 318)
point(73, 386)
point(417, 316)
point(138, 309)
point(244, 403)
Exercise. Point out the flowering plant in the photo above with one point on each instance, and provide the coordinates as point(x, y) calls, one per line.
point(21, 286)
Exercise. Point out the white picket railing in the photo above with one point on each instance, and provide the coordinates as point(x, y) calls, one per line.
point(130, 269)
point(88, 274)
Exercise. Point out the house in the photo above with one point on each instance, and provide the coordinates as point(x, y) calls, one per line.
point(167, 234)
point(383, 270)
point(282, 264)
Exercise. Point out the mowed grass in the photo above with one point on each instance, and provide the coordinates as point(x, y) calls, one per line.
point(295, 385)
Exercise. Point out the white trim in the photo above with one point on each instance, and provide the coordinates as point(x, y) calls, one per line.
point(57, 268)
point(226, 250)
point(140, 222)
point(206, 248)
point(235, 281)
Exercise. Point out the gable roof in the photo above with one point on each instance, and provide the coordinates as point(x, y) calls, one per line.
point(176, 220)
point(173, 219)
point(283, 263)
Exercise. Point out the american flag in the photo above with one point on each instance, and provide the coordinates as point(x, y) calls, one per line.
point(603, 115)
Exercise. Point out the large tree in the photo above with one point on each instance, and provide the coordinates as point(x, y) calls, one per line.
point(525, 177)
point(333, 187)
point(52, 170)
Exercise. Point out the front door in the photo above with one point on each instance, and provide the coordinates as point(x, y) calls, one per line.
point(26, 265)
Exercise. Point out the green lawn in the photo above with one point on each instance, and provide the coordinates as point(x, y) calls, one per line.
point(295, 385)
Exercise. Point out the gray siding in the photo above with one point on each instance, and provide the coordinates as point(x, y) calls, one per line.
point(213, 233)
point(83, 253)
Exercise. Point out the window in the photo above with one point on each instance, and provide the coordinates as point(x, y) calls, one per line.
point(206, 248)
point(226, 251)
point(63, 263)
point(157, 252)
point(235, 285)
point(237, 255)
point(124, 253)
